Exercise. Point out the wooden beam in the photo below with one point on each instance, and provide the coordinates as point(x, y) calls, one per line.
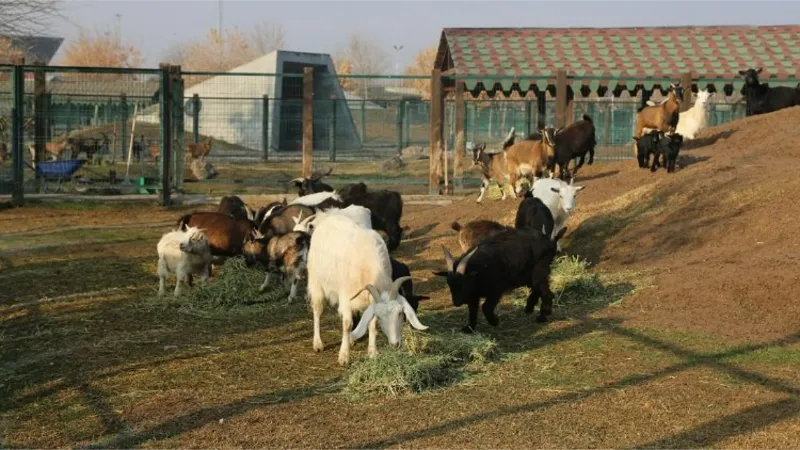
point(561, 99)
point(686, 82)
point(437, 133)
point(461, 144)
point(308, 119)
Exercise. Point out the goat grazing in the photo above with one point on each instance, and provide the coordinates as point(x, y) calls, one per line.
point(312, 184)
point(668, 147)
point(559, 197)
point(572, 142)
point(762, 99)
point(236, 207)
point(529, 157)
point(286, 253)
point(533, 214)
point(663, 117)
point(474, 232)
point(492, 165)
point(350, 267)
point(499, 264)
point(186, 253)
point(647, 145)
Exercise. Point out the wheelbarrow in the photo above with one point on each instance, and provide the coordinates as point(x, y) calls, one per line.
point(57, 171)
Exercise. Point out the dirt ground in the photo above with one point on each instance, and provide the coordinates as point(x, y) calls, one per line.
point(705, 354)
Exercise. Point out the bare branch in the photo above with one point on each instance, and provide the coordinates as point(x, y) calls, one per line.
point(365, 57)
point(27, 17)
point(268, 37)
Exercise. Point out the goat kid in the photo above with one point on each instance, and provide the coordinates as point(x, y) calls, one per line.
point(286, 254)
point(492, 165)
point(667, 149)
point(476, 231)
point(529, 158)
point(184, 252)
point(559, 197)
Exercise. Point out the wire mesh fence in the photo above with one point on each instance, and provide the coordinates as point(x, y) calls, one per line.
point(239, 132)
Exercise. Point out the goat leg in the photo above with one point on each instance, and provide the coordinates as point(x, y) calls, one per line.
point(532, 300)
point(473, 317)
point(265, 283)
point(488, 310)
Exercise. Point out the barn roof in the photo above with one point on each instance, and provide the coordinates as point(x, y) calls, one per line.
point(710, 52)
point(36, 48)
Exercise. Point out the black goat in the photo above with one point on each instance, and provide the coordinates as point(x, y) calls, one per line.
point(668, 147)
point(571, 142)
point(533, 214)
point(647, 145)
point(762, 99)
point(503, 262)
point(386, 208)
point(312, 184)
point(236, 207)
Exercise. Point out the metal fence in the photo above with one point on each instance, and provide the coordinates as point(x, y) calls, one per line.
point(107, 130)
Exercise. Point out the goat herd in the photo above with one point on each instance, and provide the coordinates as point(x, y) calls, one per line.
point(342, 239)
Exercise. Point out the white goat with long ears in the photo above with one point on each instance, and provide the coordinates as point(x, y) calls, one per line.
point(559, 197)
point(349, 266)
point(359, 214)
point(186, 253)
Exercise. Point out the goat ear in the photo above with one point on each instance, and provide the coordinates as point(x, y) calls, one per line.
point(578, 188)
point(361, 328)
point(742, 72)
point(758, 70)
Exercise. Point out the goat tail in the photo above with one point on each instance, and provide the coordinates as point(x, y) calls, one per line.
point(587, 118)
point(509, 140)
point(183, 222)
point(456, 226)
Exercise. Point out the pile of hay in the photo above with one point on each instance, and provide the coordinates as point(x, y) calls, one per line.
point(236, 285)
point(426, 361)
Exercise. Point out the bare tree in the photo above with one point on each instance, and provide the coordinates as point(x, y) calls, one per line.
point(9, 53)
point(267, 37)
point(365, 56)
point(101, 49)
point(175, 54)
point(422, 66)
point(27, 17)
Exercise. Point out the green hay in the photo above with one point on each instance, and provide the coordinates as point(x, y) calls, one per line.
point(426, 361)
point(235, 285)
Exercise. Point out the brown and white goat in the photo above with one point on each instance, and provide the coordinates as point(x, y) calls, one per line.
point(474, 232)
point(662, 117)
point(287, 254)
point(492, 165)
point(529, 157)
point(198, 150)
point(226, 235)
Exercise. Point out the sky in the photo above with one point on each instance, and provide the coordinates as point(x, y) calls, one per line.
point(323, 26)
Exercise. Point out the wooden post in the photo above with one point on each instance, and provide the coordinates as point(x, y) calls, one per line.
point(436, 137)
point(196, 118)
point(461, 143)
point(17, 114)
point(645, 96)
point(528, 117)
point(686, 83)
point(165, 108)
point(264, 126)
point(178, 136)
point(399, 126)
point(308, 119)
point(123, 125)
point(561, 99)
point(332, 132)
point(541, 109)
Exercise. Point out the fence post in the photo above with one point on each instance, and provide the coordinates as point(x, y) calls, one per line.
point(332, 132)
point(264, 126)
point(68, 108)
point(528, 117)
point(436, 136)
point(686, 82)
point(165, 101)
point(39, 118)
point(399, 125)
point(408, 121)
point(541, 109)
point(461, 141)
point(363, 122)
point(308, 120)
point(561, 99)
point(178, 127)
point(123, 119)
point(196, 118)
point(645, 96)
point(17, 114)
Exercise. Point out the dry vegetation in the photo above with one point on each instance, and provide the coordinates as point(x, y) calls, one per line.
point(675, 328)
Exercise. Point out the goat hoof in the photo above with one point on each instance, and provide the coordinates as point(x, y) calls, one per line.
point(318, 346)
point(541, 318)
point(493, 320)
point(467, 329)
point(344, 359)
point(529, 309)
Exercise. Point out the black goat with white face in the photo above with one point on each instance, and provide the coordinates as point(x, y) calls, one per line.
point(312, 184)
point(503, 262)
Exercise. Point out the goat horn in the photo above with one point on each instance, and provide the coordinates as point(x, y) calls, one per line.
point(448, 259)
point(396, 286)
point(462, 266)
point(374, 294)
point(297, 180)
point(308, 219)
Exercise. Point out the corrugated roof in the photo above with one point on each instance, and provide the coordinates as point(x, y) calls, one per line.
point(505, 54)
point(36, 48)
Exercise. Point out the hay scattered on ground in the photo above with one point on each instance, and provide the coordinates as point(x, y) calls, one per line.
point(235, 285)
point(426, 361)
point(574, 282)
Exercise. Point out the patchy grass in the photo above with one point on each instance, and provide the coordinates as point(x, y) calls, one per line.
point(427, 361)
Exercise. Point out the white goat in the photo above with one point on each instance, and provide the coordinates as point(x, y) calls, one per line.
point(350, 267)
point(359, 214)
point(692, 121)
point(559, 197)
point(315, 199)
point(186, 253)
